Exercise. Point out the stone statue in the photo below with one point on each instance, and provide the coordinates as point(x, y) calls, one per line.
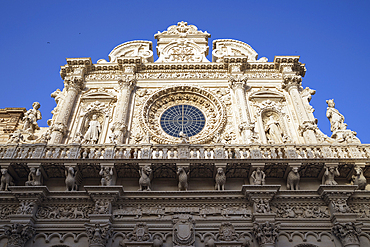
point(329, 175)
point(358, 178)
point(184, 137)
point(15, 137)
point(71, 184)
point(145, 178)
point(79, 138)
point(6, 180)
point(293, 179)
point(34, 177)
point(107, 176)
point(258, 177)
point(31, 117)
point(93, 132)
point(273, 130)
point(220, 179)
point(183, 179)
point(44, 138)
point(336, 119)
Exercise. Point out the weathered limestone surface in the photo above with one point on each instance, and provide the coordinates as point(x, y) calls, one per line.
point(182, 152)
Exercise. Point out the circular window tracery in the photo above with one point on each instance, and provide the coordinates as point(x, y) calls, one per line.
point(159, 102)
point(182, 118)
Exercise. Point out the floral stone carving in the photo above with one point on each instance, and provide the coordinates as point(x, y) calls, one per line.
point(208, 103)
point(348, 233)
point(18, 234)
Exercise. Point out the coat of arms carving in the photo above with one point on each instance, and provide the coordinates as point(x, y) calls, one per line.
point(183, 230)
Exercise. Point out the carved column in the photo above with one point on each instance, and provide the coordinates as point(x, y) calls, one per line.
point(239, 86)
point(291, 83)
point(266, 233)
point(98, 234)
point(120, 119)
point(19, 234)
point(73, 85)
point(348, 233)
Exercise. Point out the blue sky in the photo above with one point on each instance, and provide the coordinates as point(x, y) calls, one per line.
point(332, 38)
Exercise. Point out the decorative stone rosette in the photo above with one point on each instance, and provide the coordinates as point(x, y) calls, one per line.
point(209, 104)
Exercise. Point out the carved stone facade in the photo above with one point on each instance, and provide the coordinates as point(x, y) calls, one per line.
point(181, 152)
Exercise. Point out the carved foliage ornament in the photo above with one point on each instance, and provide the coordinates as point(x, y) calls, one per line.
point(18, 234)
point(205, 101)
point(348, 233)
point(182, 27)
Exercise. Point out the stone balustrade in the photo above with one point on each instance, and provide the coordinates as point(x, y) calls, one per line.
point(184, 151)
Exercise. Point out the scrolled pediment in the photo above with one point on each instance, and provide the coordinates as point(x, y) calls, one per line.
point(266, 93)
point(136, 48)
point(99, 94)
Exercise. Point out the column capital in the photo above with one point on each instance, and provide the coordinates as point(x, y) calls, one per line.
point(348, 233)
point(74, 83)
point(127, 82)
point(291, 81)
point(98, 234)
point(19, 234)
point(238, 82)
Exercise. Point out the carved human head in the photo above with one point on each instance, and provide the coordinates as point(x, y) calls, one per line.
point(330, 102)
point(36, 105)
point(220, 170)
point(94, 117)
point(4, 171)
point(33, 169)
point(295, 169)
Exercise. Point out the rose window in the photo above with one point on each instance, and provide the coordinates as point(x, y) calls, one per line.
point(192, 110)
point(182, 118)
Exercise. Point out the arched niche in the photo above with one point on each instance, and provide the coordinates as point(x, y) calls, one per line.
point(88, 120)
point(273, 126)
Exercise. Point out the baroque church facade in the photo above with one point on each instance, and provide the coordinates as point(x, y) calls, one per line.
point(182, 152)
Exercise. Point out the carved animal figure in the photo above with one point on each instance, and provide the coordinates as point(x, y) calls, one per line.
point(54, 213)
point(6, 180)
point(71, 184)
point(183, 179)
point(77, 212)
point(65, 212)
point(359, 179)
point(145, 178)
point(293, 179)
point(220, 179)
